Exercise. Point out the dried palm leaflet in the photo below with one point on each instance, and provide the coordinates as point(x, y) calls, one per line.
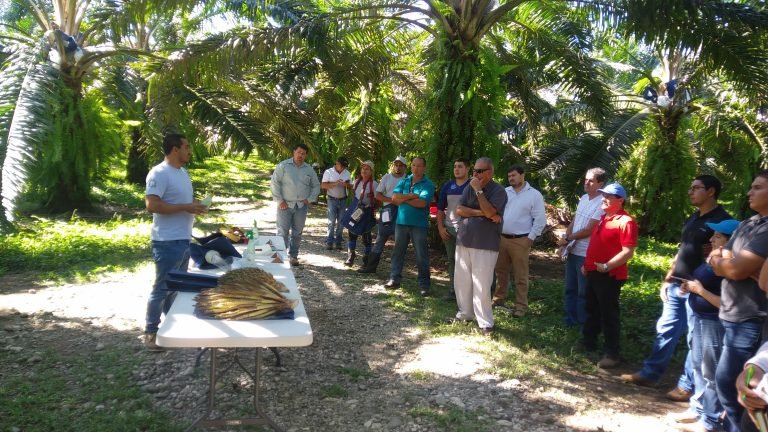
point(244, 294)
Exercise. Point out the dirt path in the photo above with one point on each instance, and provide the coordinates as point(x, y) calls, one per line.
point(369, 367)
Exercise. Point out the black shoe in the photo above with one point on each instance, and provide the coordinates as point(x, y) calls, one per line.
point(329, 246)
point(425, 292)
point(486, 331)
point(454, 320)
point(392, 285)
point(450, 296)
point(339, 247)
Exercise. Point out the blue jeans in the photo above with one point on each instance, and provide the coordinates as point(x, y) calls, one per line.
point(740, 342)
point(290, 224)
point(336, 209)
point(672, 324)
point(418, 235)
point(575, 289)
point(706, 346)
point(381, 240)
point(168, 255)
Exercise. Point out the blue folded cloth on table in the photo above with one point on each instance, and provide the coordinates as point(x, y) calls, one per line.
point(222, 245)
point(178, 280)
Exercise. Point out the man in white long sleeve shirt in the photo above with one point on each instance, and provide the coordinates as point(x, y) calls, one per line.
point(524, 220)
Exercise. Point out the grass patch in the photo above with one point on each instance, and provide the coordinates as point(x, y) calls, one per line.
point(453, 418)
point(76, 393)
point(540, 343)
point(421, 376)
point(333, 391)
point(355, 374)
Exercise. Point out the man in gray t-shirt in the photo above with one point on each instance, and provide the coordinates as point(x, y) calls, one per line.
point(477, 245)
point(742, 303)
point(169, 198)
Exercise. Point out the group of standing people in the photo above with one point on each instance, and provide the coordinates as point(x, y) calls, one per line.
point(713, 292)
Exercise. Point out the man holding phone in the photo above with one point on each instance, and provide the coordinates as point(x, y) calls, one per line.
point(673, 322)
point(336, 181)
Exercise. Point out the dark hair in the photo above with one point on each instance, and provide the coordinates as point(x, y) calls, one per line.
point(763, 174)
point(170, 141)
point(599, 174)
point(463, 160)
point(519, 168)
point(343, 161)
point(422, 159)
point(710, 182)
point(301, 146)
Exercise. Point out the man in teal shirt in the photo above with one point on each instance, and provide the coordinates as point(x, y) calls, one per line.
point(412, 196)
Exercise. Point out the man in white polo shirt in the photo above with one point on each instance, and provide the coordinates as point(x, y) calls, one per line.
point(524, 219)
point(336, 181)
point(576, 238)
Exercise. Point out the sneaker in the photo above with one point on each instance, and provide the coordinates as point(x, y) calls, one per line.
point(518, 313)
point(608, 362)
point(294, 261)
point(392, 285)
point(637, 379)
point(486, 331)
point(150, 342)
point(424, 292)
point(678, 395)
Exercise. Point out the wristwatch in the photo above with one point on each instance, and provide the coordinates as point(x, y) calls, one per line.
point(605, 267)
point(479, 192)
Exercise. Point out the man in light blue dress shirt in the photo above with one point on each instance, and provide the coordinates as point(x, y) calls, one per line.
point(294, 185)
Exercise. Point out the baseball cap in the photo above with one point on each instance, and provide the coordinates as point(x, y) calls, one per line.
point(726, 227)
point(400, 159)
point(369, 163)
point(614, 189)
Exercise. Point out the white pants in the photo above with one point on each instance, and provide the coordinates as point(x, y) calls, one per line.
point(473, 277)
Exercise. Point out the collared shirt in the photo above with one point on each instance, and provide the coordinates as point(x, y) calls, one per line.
point(450, 194)
point(524, 213)
point(479, 232)
point(332, 176)
point(609, 237)
point(294, 184)
point(387, 184)
point(173, 186)
point(408, 214)
point(587, 211)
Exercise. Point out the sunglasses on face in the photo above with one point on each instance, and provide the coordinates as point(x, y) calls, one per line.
point(481, 170)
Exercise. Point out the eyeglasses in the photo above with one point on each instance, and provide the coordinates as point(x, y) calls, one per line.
point(693, 188)
point(481, 170)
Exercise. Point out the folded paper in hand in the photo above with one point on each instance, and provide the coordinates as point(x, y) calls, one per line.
point(564, 251)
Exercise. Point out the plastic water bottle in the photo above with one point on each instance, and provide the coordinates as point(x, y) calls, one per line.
point(255, 230)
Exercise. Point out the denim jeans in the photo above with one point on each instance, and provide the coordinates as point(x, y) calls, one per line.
point(450, 251)
point(740, 342)
point(290, 224)
point(378, 245)
point(418, 235)
point(336, 209)
point(168, 255)
point(672, 324)
point(706, 346)
point(575, 291)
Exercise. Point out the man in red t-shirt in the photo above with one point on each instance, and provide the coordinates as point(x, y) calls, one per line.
point(612, 244)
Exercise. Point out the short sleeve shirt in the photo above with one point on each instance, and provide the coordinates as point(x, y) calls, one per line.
point(366, 191)
point(387, 185)
point(173, 186)
point(450, 195)
point(609, 236)
point(331, 175)
point(696, 235)
point(408, 214)
point(743, 300)
point(587, 211)
point(480, 232)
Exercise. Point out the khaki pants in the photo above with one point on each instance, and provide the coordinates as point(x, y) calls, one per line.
point(513, 257)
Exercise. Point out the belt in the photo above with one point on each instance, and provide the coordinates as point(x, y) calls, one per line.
point(514, 236)
point(337, 199)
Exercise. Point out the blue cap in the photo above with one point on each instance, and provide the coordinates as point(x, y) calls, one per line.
point(614, 189)
point(726, 227)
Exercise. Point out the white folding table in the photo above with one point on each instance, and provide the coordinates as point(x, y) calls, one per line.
point(183, 329)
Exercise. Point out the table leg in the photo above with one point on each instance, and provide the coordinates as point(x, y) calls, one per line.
point(260, 419)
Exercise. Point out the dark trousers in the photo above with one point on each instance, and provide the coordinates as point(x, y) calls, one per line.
point(602, 298)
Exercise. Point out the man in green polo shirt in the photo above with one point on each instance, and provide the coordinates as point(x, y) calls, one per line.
point(412, 195)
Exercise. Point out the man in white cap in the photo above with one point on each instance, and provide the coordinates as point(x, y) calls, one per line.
point(384, 193)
